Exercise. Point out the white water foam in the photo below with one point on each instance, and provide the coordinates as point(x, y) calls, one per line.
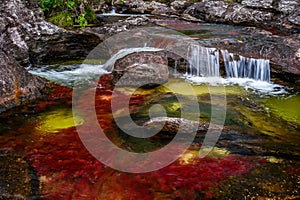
point(70, 75)
point(254, 86)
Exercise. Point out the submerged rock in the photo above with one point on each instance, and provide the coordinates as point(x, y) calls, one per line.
point(17, 178)
point(173, 125)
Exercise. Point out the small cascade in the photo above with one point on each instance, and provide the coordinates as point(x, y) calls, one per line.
point(203, 61)
point(242, 67)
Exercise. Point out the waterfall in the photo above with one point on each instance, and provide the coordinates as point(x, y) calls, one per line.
point(203, 61)
point(258, 69)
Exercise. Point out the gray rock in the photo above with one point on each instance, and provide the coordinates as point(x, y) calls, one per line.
point(141, 69)
point(27, 39)
point(288, 6)
point(266, 4)
point(295, 18)
point(239, 14)
point(140, 6)
point(282, 14)
point(173, 125)
point(16, 84)
point(180, 6)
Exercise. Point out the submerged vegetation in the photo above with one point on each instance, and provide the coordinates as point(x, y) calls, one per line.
point(69, 13)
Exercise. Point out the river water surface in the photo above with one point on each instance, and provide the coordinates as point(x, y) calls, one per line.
point(256, 157)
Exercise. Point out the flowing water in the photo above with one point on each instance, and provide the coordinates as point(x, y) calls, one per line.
point(256, 156)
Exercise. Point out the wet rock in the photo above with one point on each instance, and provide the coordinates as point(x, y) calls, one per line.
point(16, 84)
point(288, 6)
point(173, 125)
point(265, 4)
point(208, 11)
point(31, 40)
point(27, 39)
point(254, 42)
point(267, 13)
point(17, 178)
point(139, 6)
point(180, 6)
point(139, 69)
point(121, 25)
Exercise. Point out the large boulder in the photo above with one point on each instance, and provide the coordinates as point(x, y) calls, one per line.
point(16, 84)
point(283, 14)
point(141, 69)
point(173, 125)
point(27, 39)
point(147, 7)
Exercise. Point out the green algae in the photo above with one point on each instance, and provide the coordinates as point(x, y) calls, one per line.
point(285, 108)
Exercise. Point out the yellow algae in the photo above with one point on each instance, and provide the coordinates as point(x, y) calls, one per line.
point(261, 122)
point(189, 156)
point(182, 87)
point(215, 152)
point(53, 121)
point(273, 159)
point(286, 108)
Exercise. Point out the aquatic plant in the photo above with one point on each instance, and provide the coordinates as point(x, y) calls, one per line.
point(68, 171)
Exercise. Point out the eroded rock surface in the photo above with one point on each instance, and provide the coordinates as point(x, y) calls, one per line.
point(27, 39)
point(141, 69)
point(16, 84)
point(17, 178)
point(173, 125)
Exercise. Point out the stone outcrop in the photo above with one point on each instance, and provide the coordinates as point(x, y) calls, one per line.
point(16, 84)
point(141, 69)
point(27, 39)
point(173, 125)
point(282, 14)
point(144, 7)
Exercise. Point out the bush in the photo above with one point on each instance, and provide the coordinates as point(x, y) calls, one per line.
point(67, 13)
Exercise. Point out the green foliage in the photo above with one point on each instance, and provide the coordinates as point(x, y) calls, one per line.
point(67, 13)
point(63, 19)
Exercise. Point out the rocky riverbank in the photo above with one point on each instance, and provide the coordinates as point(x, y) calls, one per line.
point(27, 39)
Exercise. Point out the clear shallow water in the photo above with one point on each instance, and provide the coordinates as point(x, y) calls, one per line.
point(256, 157)
point(258, 148)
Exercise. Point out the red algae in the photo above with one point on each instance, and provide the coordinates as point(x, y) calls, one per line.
point(68, 171)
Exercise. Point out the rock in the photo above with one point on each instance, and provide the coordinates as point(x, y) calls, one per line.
point(208, 11)
point(297, 54)
point(253, 42)
point(144, 7)
point(288, 6)
point(238, 14)
point(16, 84)
point(121, 25)
point(18, 179)
point(27, 39)
point(173, 125)
point(180, 6)
point(265, 4)
point(61, 47)
point(139, 69)
point(282, 14)
point(295, 18)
